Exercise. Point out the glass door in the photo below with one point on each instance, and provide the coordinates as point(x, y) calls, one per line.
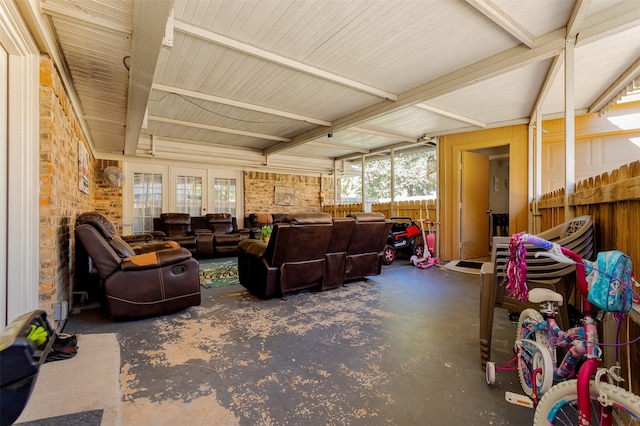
point(224, 195)
point(153, 189)
point(189, 191)
point(147, 200)
point(189, 195)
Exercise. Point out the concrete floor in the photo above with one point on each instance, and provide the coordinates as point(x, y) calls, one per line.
point(399, 349)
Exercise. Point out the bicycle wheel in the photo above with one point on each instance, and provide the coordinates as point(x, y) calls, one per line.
point(559, 406)
point(530, 316)
point(532, 357)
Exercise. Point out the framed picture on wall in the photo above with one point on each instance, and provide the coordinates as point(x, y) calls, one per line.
point(83, 168)
point(284, 196)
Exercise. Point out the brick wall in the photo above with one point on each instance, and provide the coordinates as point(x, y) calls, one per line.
point(328, 190)
point(60, 196)
point(107, 199)
point(61, 199)
point(259, 192)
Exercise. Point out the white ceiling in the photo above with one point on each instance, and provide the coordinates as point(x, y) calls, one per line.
point(264, 82)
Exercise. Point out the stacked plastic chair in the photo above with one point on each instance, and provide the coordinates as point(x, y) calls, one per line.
point(576, 234)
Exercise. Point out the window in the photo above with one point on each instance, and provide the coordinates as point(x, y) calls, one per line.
point(415, 177)
point(224, 196)
point(147, 201)
point(189, 195)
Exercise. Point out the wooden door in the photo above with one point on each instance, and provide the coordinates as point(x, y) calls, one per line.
point(474, 204)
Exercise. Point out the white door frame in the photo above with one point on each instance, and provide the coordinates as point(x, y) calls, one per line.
point(169, 173)
point(19, 196)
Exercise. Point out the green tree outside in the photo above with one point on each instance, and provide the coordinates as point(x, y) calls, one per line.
point(415, 176)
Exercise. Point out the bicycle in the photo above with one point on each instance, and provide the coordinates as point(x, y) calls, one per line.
point(538, 336)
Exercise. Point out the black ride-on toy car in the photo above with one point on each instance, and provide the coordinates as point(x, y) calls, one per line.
point(405, 236)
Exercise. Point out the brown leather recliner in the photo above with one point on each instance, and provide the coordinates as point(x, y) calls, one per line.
point(226, 235)
point(137, 285)
point(177, 227)
point(364, 252)
point(294, 258)
point(336, 256)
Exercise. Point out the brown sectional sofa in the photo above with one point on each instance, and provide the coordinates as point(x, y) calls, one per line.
point(204, 236)
point(312, 251)
point(255, 221)
point(226, 235)
point(364, 252)
point(336, 255)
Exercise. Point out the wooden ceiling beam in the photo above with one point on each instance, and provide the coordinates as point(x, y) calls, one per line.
point(238, 104)
point(280, 60)
point(452, 115)
point(148, 25)
point(504, 21)
point(216, 128)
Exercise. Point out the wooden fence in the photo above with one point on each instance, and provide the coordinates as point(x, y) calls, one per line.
point(613, 201)
point(425, 209)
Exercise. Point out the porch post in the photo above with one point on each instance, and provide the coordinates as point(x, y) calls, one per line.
point(569, 125)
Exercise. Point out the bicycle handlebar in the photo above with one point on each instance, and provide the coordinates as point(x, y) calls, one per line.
point(554, 250)
point(559, 254)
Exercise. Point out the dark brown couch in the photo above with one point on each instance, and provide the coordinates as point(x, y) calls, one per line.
point(293, 260)
point(364, 252)
point(226, 235)
point(177, 227)
point(137, 285)
point(336, 256)
point(312, 251)
point(214, 234)
point(255, 221)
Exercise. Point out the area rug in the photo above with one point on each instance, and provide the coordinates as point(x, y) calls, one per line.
point(464, 266)
point(219, 274)
point(83, 390)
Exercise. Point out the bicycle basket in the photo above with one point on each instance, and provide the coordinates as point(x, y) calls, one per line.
point(609, 278)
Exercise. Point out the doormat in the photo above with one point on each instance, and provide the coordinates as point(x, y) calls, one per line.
point(219, 274)
point(468, 264)
point(464, 266)
point(85, 418)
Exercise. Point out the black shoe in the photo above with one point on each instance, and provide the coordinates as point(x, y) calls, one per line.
point(64, 346)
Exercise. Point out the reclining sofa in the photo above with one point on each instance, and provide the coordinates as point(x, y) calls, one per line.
point(205, 236)
point(255, 221)
point(177, 227)
point(226, 235)
point(163, 279)
point(364, 251)
point(311, 251)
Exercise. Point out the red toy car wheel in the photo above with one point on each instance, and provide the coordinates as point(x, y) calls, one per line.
point(388, 255)
point(418, 250)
